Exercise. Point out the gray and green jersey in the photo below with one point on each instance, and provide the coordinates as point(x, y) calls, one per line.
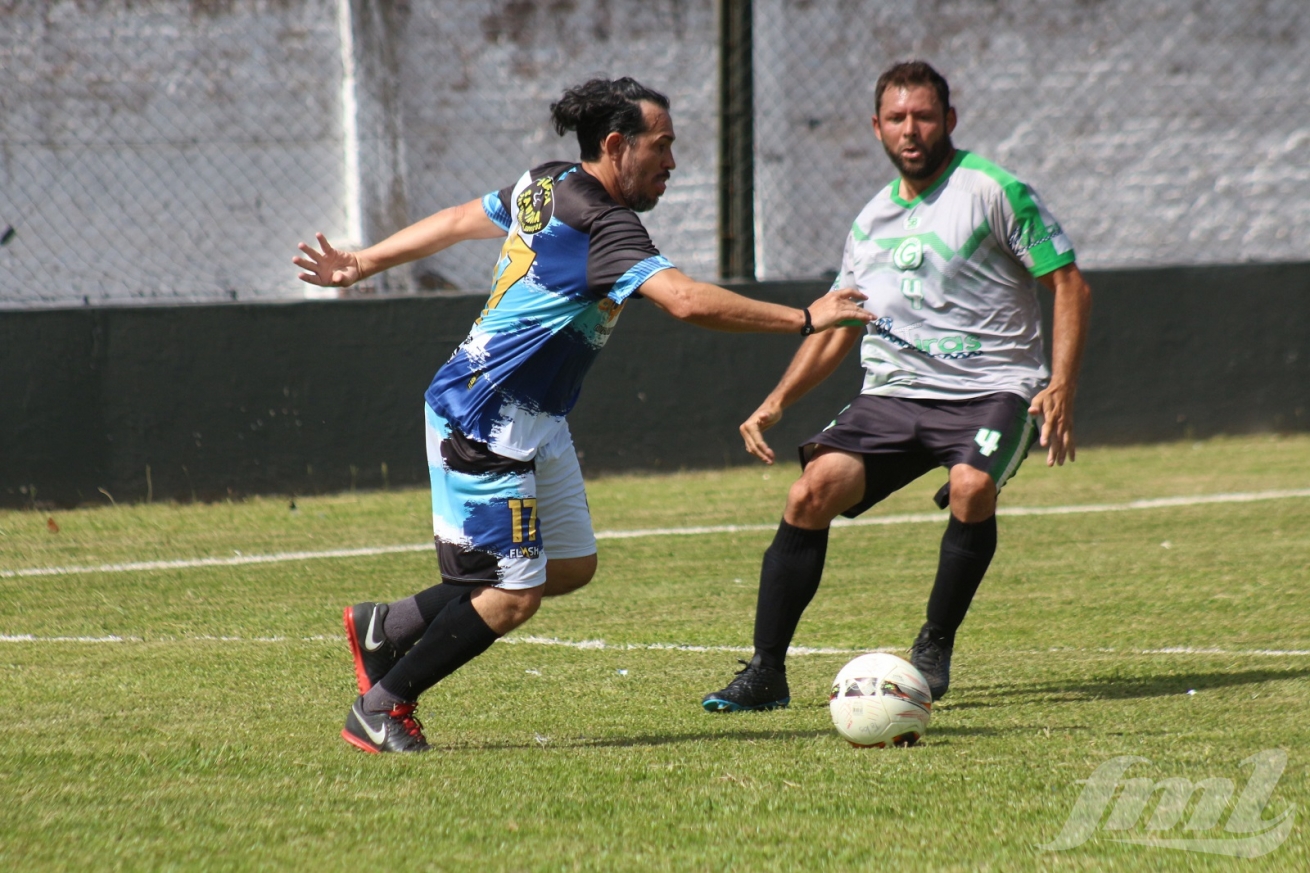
point(951, 280)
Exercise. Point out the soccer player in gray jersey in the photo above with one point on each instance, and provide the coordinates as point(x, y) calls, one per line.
point(949, 256)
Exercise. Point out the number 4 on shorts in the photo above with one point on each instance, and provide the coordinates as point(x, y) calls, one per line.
point(988, 441)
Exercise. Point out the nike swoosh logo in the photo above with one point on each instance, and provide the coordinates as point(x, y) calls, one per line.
point(370, 642)
point(379, 737)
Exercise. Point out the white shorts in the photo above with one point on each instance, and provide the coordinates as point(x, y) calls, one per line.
point(495, 520)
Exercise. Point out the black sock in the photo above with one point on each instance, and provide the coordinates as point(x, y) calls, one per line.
point(404, 624)
point(431, 601)
point(793, 566)
point(966, 552)
point(455, 637)
point(409, 617)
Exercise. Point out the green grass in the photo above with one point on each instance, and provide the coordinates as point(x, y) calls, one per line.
point(208, 738)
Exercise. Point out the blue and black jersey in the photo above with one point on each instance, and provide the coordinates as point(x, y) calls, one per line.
point(572, 258)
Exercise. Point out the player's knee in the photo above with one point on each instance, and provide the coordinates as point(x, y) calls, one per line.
point(973, 494)
point(505, 609)
point(565, 575)
point(523, 606)
point(810, 504)
point(800, 498)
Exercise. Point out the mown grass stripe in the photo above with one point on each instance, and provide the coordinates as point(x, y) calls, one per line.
point(909, 518)
point(603, 646)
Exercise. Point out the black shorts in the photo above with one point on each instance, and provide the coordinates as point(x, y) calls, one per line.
point(900, 439)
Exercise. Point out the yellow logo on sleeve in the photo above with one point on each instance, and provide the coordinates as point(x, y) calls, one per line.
point(536, 205)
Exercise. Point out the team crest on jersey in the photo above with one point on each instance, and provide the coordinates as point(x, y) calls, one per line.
point(909, 254)
point(536, 203)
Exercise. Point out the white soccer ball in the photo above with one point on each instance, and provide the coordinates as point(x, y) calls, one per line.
point(879, 699)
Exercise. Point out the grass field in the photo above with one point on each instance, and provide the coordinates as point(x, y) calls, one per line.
point(188, 717)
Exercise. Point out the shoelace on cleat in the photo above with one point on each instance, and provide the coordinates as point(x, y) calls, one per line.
point(749, 677)
point(930, 654)
point(405, 713)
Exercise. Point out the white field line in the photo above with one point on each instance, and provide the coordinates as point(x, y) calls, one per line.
point(601, 645)
point(235, 561)
point(912, 518)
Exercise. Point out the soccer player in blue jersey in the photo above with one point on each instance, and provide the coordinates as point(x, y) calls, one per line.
point(950, 256)
point(509, 512)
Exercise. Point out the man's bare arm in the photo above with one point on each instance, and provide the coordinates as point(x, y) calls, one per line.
point(332, 267)
point(707, 305)
point(813, 362)
point(1073, 306)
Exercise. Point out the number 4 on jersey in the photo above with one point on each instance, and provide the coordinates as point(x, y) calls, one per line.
point(988, 441)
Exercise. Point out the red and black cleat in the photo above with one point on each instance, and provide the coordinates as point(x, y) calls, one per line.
point(394, 731)
point(374, 654)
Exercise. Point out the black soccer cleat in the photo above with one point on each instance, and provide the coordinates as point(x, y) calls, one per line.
point(374, 654)
point(756, 688)
point(375, 732)
point(932, 658)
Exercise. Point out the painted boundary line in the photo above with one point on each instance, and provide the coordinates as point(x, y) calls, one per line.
point(601, 645)
point(914, 518)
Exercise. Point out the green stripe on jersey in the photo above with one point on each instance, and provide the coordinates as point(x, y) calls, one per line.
point(1045, 257)
point(933, 241)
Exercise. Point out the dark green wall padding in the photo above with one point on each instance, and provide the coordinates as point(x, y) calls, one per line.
point(321, 396)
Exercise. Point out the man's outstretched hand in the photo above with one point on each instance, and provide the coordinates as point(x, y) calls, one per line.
point(839, 308)
point(330, 268)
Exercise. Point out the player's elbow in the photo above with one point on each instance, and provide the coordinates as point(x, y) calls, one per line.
point(681, 304)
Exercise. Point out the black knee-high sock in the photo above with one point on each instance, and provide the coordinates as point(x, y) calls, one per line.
point(409, 617)
point(793, 566)
point(967, 551)
point(455, 637)
point(431, 601)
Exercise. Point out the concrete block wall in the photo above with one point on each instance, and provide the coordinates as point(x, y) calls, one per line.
point(1160, 133)
point(477, 81)
point(162, 150)
point(154, 150)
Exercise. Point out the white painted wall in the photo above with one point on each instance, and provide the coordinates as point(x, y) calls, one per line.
point(154, 150)
point(1163, 132)
point(478, 81)
point(166, 150)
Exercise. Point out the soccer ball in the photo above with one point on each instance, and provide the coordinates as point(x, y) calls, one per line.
point(879, 699)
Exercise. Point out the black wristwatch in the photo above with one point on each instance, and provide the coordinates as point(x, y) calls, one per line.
point(809, 325)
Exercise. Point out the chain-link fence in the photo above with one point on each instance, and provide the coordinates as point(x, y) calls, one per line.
point(1158, 133)
point(151, 151)
point(175, 150)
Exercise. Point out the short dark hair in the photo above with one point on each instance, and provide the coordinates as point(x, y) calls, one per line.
point(597, 108)
point(910, 73)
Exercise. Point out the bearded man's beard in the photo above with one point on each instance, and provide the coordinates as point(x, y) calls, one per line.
point(933, 159)
point(637, 200)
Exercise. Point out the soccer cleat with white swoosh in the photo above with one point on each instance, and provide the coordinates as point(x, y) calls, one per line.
point(394, 731)
point(374, 654)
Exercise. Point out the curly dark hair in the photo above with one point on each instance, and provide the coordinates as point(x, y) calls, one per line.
point(907, 74)
point(601, 106)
